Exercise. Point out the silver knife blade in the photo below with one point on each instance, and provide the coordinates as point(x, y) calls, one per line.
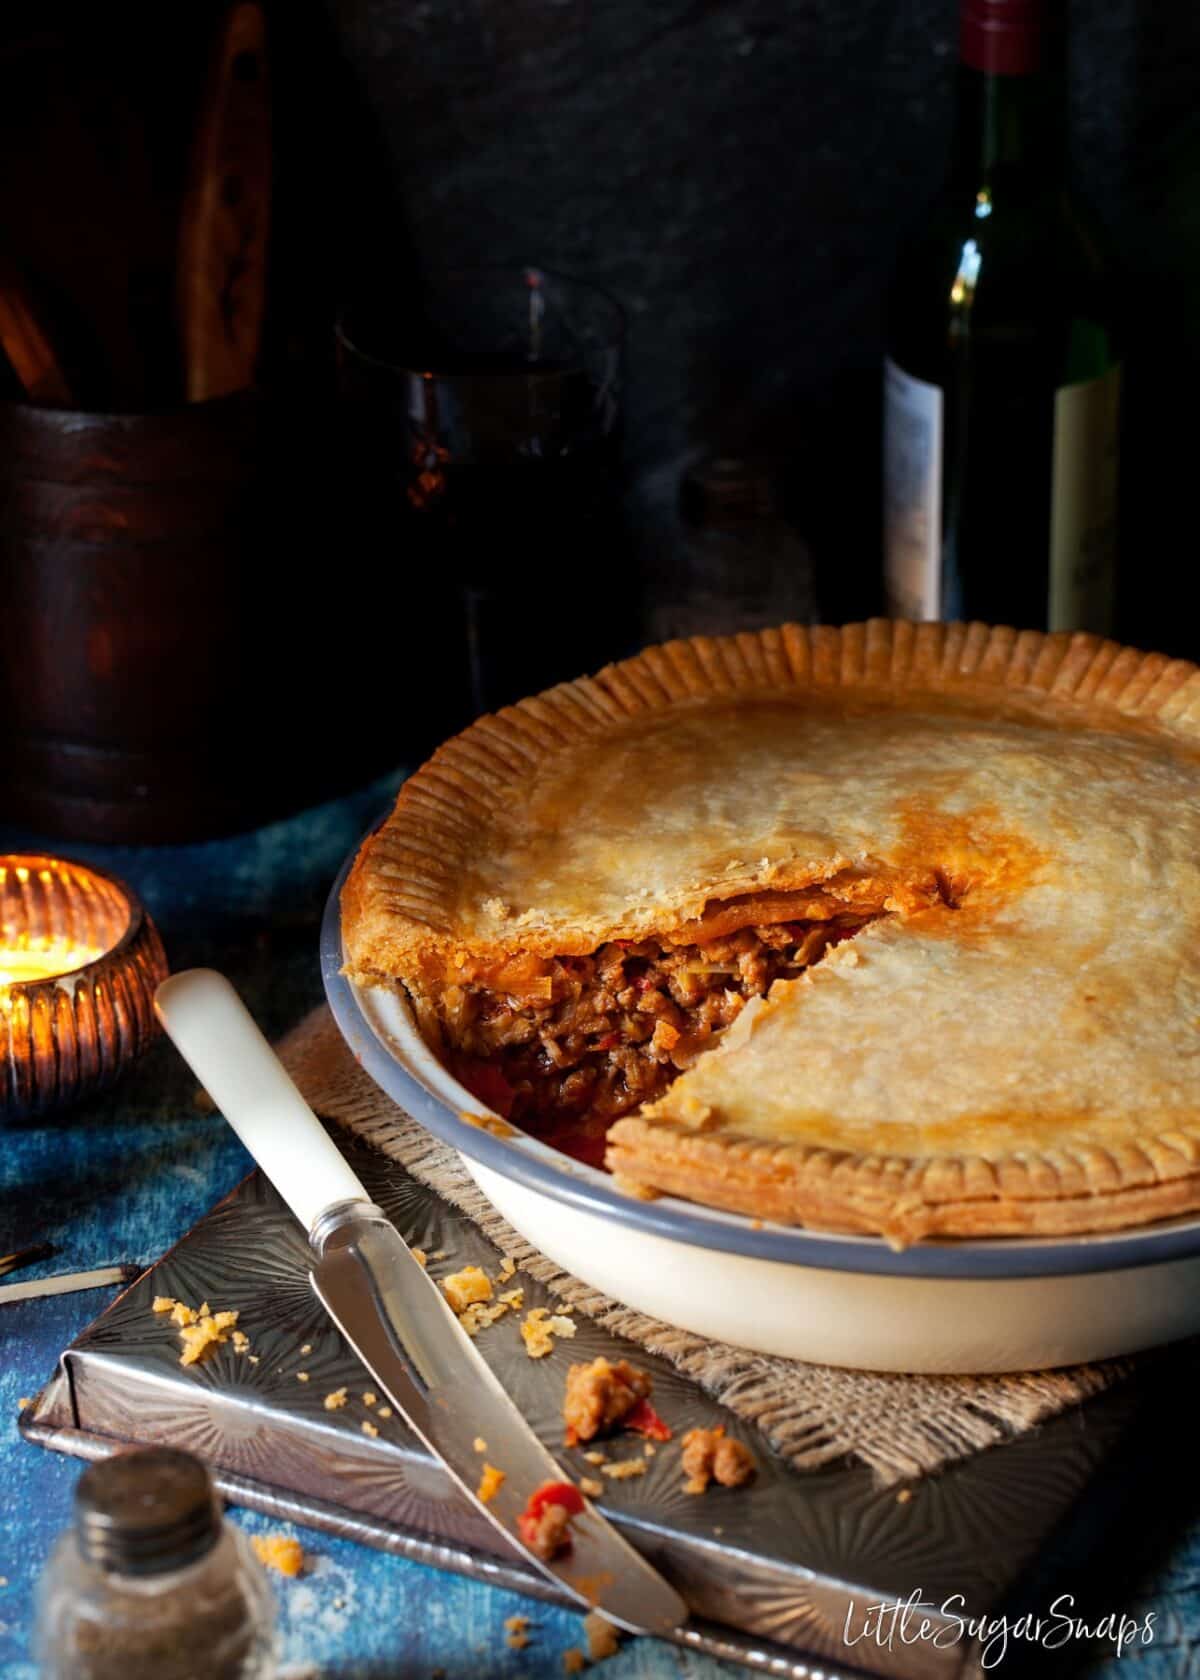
point(394, 1316)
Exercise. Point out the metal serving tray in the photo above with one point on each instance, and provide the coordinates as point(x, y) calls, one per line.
point(776, 1573)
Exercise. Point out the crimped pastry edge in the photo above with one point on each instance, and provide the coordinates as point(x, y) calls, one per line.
point(1058, 1193)
point(397, 901)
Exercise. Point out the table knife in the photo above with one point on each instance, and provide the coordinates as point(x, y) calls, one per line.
point(392, 1313)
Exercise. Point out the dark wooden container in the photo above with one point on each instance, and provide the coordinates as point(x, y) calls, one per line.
point(191, 633)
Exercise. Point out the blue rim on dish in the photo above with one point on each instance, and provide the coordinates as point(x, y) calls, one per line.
point(536, 1167)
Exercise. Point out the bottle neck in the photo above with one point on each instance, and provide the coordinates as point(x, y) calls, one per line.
point(1009, 110)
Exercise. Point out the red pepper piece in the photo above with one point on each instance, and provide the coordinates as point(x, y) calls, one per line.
point(644, 1420)
point(565, 1494)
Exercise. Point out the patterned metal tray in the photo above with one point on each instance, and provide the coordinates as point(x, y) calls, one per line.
point(781, 1575)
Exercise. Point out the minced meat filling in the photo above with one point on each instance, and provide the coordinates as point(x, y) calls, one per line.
point(616, 1027)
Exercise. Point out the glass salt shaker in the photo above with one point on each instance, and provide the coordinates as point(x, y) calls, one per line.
point(151, 1583)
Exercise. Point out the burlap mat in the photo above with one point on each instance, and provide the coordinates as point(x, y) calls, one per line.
point(902, 1427)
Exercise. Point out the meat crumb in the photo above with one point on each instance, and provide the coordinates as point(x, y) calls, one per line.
point(490, 1483)
point(336, 1399)
point(710, 1455)
point(602, 1638)
point(547, 1536)
point(463, 1289)
point(599, 1395)
point(279, 1552)
point(539, 1330)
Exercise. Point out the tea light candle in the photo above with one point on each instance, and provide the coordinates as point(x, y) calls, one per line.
point(79, 964)
point(43, 962)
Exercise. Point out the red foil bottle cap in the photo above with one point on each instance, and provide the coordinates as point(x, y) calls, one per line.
point(1002, 37)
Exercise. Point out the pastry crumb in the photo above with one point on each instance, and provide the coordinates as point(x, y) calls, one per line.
point(301, 1376)
point(241, 1341)
point(904, 1495)
point(370, 1398)
point(507, 1267)
point(630, 1187)
point(540, 1328)
point(23, 1401)
point(208, 1332)
point(595, 1457)
point(279, 1552)
point(307, 1348)
point(490, 1483)
point(384, 1412)
point(515, 1635)
point(479, 1444)
point(463, 1289)
point(590, 1486)
point(336, 1399)
point(573, 1661)
point(420, 1256)
point(480, 1314)
point(624, 1468)
point(368, 1428)
point(710, 1455)
point(603, 1641)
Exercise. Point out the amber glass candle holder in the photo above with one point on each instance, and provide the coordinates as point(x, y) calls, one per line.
point(79, 963)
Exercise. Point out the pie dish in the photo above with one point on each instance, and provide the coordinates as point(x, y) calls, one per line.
point(922, 901)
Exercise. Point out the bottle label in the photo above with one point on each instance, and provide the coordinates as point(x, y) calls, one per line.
point(912, 494)
point(1083, 508)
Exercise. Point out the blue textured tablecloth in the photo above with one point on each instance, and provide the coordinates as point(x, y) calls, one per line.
point(123, 1179)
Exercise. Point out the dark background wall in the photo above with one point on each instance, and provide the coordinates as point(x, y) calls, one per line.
point(737, 171)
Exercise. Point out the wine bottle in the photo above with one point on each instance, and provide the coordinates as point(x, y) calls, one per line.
point(1002, 379)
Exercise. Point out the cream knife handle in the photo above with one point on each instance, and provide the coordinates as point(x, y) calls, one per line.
point(215, 1034)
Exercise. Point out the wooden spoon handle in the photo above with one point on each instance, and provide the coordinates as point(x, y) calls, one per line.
point(226, 215)
point(26, 343)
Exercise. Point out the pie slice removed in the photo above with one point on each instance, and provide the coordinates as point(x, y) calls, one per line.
point(890, 929)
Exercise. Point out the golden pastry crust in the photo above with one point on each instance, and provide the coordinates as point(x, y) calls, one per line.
point(1017, 1057)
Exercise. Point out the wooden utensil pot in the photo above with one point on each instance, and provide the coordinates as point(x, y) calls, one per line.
point(163, 620)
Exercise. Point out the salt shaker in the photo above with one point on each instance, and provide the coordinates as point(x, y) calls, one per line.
point(151, 1583)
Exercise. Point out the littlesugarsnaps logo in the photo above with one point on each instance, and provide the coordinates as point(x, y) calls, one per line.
point(892, 1623)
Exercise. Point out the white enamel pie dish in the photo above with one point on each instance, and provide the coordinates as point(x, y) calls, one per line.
point(1002, 1304)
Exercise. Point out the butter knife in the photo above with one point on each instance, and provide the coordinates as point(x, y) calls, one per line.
point(392, 1313)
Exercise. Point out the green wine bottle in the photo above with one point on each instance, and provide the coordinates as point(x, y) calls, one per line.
point(1002, 380)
